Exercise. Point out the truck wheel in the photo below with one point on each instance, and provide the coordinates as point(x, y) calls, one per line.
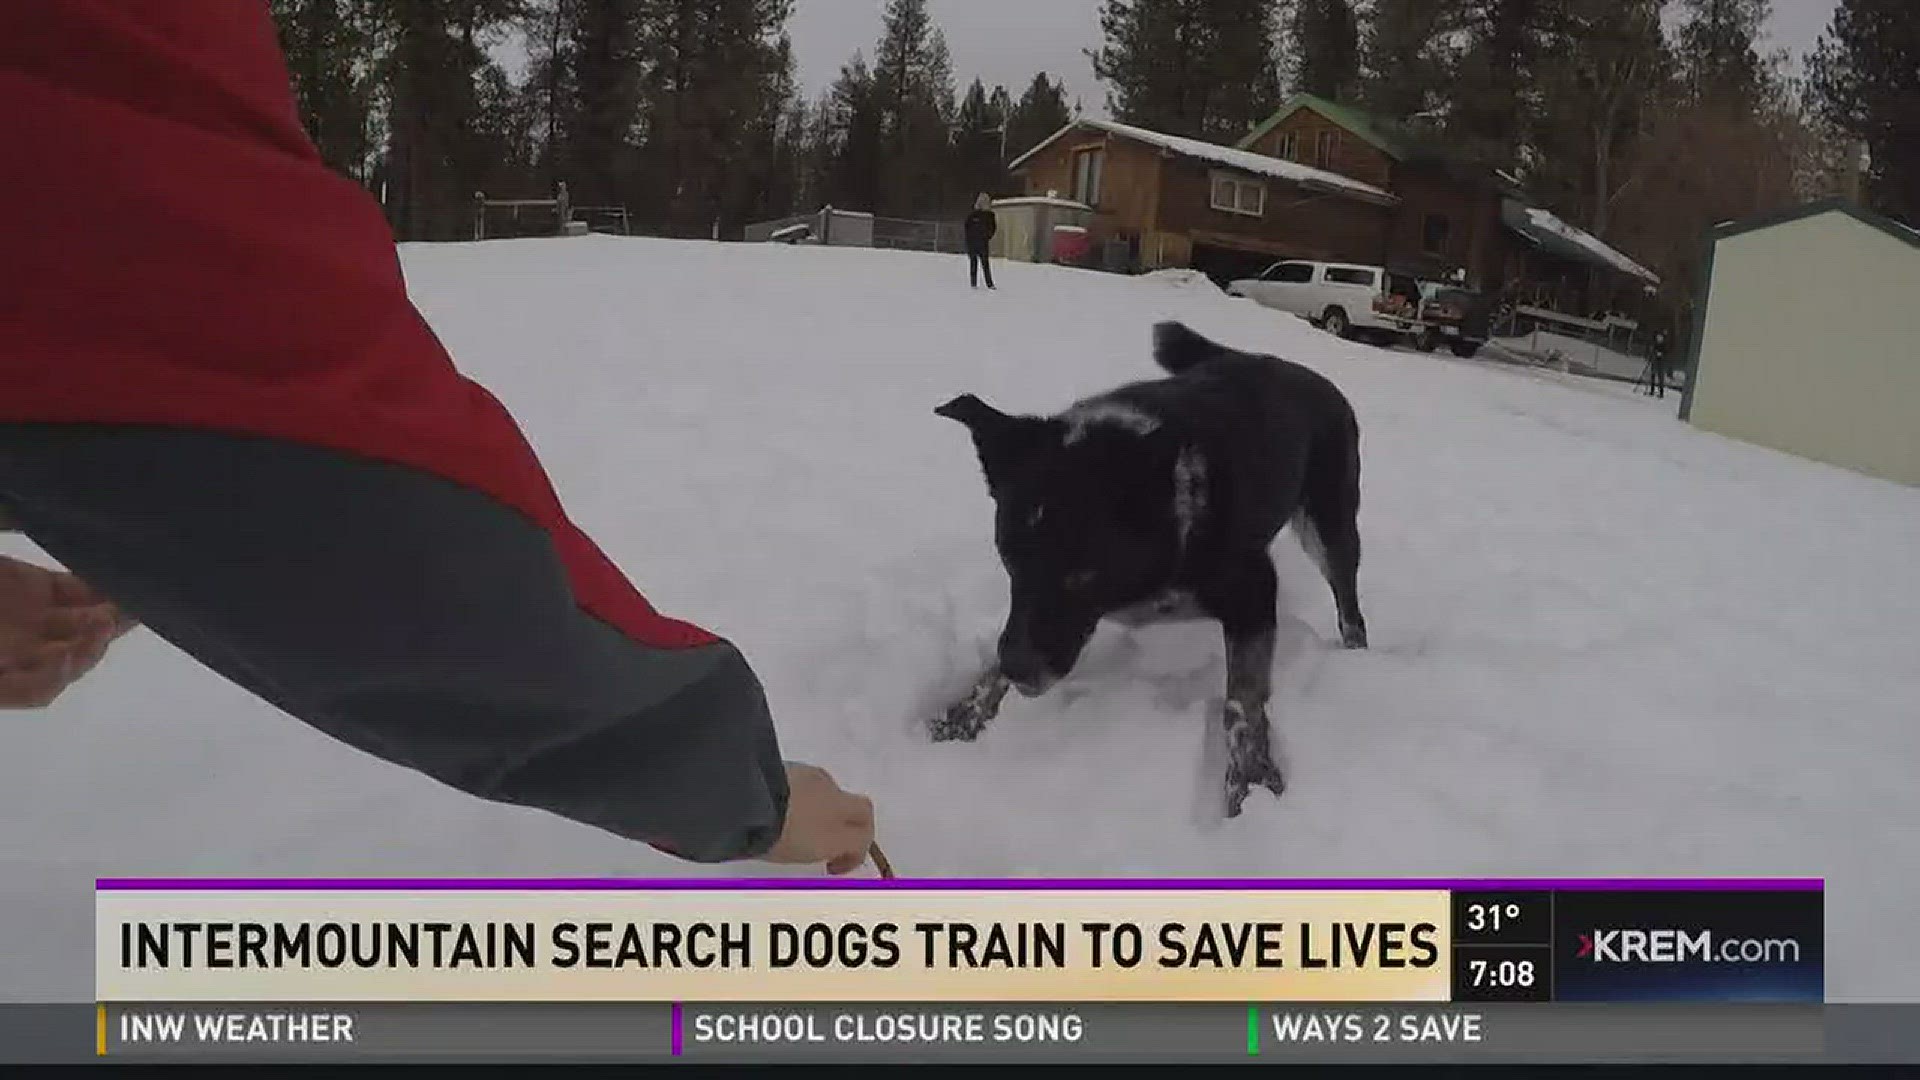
point(1427, 340)
point(1466, 349)
point(1335, 322)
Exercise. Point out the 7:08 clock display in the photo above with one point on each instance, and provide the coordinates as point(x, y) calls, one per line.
point(1502, 973)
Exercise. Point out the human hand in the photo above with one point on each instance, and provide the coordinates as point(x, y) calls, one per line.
point(53, 629)
point(824, 824)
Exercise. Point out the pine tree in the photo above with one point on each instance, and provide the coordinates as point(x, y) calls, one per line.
point(1406, 57)
point(599, 123)
point(770, 185)
point(913, 78)
point(1041, 111)
point(851, 134)
point(1718, 58)
point(715, 75)
point(1864, 79)
point(431, 72)
point(1599, 81)
point(1151, 53)
point(977, 140)
point(548, 28)
point(817, 154)
point(1494, 95)
point(1324, 44)
point(506, 148)
point(329, 47)
point(1245, 62)
point(1000, 103)
point(789, 175)
point(1208, 69)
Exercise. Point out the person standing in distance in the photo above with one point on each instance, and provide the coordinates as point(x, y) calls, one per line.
point(980, 228)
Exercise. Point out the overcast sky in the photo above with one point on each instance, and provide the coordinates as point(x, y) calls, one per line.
point(1007, 41)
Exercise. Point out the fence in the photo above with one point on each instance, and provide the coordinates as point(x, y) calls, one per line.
point(499, 218)
point(916, 235)
point(848, 228)
point(761, 232)
point(543, 217)
point(605, 219)
point(836, 228)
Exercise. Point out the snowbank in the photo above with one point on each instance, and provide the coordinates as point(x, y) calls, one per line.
point(1185, 280)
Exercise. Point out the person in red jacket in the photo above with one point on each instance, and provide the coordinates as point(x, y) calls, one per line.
point(221, 412)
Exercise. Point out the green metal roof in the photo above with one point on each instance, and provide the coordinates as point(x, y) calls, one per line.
point(1814, 209)
point(1369, 129)
point(1394, 139)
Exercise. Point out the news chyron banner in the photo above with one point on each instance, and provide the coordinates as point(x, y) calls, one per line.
point(919, 970)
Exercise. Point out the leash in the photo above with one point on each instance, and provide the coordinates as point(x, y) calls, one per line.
point(880, 862)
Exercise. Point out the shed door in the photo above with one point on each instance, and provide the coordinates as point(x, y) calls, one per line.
point(1014, 240)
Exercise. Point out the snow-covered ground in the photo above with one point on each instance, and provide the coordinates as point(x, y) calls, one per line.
point(1605, 643)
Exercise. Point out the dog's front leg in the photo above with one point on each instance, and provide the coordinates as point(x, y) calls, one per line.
point(1244, 601)
point(1249, 733)
point(965, 719)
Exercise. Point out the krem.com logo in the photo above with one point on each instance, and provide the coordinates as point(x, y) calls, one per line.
point(1683, 947)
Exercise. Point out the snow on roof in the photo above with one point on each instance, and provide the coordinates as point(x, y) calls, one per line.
point(1043, 200)
point(1547, 222)
point(1243, 160)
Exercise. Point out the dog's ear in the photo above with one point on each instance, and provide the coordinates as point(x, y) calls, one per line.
point(1004, 442)
point(972, 412)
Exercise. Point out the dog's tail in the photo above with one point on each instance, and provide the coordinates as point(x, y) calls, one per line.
point(1176, 348)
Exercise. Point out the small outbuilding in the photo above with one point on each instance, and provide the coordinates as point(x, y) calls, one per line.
point(1807, 338)
point(1029, 225)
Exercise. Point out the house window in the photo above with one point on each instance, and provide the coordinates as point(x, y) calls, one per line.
point(1434, 233)
point(1324, 147)
point(1289, 146)
point(1087, 168)
point(1238, 196)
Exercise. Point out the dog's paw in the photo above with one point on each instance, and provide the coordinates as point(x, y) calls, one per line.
point(1240, 785)
point(1237, 797)
point(965, 719)
point(958, 724)
point(1354, 635)
point(1250, 756)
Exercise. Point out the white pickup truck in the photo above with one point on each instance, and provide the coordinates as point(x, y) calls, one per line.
point(1347, 299)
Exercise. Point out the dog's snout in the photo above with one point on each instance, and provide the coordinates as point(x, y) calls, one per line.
point(1026, 670)
point(1022, 662)
point(1035, 654)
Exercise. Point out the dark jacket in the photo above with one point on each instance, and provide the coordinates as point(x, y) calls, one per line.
point(981, 225)
point(222, 409)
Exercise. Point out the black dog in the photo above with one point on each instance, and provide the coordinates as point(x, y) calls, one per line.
point(1160, 500)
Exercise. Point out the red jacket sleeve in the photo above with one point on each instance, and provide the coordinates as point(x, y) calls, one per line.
point(180, 261)
point(181, 256)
